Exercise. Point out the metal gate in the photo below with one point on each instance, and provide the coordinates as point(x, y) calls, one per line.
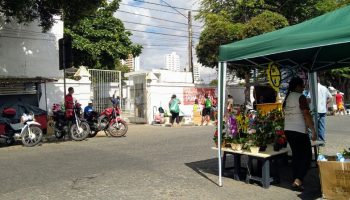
point(105, 83)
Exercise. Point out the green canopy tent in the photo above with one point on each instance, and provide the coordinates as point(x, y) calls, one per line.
point(321, 43)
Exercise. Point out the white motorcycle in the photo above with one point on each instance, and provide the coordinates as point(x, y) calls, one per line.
point(27, 130)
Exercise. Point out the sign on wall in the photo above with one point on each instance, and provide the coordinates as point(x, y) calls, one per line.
point(190, 94)
point(274, 76)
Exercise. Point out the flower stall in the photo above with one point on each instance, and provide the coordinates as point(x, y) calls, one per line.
point(253, 131)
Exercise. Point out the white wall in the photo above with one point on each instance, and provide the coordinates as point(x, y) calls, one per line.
point(27, 52)
point(55, 92)
point(159, 94)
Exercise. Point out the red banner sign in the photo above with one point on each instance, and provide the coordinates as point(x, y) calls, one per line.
point(190, 94)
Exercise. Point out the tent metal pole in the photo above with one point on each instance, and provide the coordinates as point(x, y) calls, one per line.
point(221, 94)
point(314, 94)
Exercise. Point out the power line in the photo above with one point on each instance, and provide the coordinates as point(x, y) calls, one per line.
point(154, 17)
point(158, 4)
point(164, 27)
point(158, 45)
point(174, 8)
point(150, 8)
point(157, 33)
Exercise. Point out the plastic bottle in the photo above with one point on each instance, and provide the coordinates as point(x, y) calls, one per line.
point(321, 157)
point(340, 157)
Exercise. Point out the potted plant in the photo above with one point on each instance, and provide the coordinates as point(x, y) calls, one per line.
point(239, 143)
point(215, 139)
point(280, 140)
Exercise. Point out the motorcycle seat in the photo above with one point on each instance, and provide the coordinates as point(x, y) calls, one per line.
point(17, 126)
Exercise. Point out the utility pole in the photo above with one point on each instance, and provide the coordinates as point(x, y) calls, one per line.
point(190, 60)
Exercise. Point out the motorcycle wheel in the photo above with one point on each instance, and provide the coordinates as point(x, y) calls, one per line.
point(34, 139)
point(82, 134)
point(118, 129)
point(10, 141)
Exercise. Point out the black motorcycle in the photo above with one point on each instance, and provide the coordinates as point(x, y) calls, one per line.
point(73, 125)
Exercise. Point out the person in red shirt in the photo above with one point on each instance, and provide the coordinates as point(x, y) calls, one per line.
point(69, 103)
point(340, 104)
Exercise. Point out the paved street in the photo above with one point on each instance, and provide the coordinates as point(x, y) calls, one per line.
point(150, 163)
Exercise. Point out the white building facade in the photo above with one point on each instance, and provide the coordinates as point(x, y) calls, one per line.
point(196, 73)
point(29, 66)
point(172, 62)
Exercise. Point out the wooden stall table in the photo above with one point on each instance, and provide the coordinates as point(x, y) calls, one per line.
point(265, 157)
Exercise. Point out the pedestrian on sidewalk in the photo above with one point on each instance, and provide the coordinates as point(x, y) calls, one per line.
point(296, 123)
point(340, 103)
point(174, 110)
point(206, 110)
point(323, 98)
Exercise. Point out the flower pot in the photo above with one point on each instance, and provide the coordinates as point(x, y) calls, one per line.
point(239, 147)
point(223, 145)
point(277, 147)
point(233, 146)
point(254, 149)
point(262, 148)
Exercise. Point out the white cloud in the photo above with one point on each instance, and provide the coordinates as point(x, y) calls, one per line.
point(156, 45)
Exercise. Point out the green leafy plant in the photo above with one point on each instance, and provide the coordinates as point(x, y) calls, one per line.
point(346, 153)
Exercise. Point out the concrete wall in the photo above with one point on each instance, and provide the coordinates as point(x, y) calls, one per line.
point(55, 92)
point(27, 52)
point(159, 94)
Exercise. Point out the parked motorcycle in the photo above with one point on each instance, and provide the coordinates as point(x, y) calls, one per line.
point(27, 130)
point(108, 121)
point(75, 125)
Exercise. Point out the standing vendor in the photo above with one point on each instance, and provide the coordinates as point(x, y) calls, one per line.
point(69, 103)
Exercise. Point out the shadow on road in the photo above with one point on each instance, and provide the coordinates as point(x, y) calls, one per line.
point(210, 166)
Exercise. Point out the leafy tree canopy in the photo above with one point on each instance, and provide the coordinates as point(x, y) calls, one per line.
point(100, 40)
point(218, 30)
point(45, 10)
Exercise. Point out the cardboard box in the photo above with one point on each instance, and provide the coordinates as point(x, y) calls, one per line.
point(335, 179)
point(197, 118)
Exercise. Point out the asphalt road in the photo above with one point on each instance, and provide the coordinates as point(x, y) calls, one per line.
point(151, 162)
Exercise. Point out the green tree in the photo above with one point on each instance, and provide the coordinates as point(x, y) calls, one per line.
point(221, 28)
point(45, 10)
point(218, 30)
point(100, 40)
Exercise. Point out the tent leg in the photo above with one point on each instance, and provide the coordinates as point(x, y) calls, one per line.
point(221, 103)
point(313, 94)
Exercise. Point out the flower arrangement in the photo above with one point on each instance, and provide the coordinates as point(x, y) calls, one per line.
point(254, 129)
point(260, 131)
point(223, 136)
point(235, 136)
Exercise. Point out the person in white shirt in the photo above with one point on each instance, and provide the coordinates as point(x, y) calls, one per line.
point(296, 122)
point(323, 98)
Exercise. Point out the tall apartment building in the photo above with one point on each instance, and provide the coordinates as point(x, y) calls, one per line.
point(132, 63)
point(172, 62)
